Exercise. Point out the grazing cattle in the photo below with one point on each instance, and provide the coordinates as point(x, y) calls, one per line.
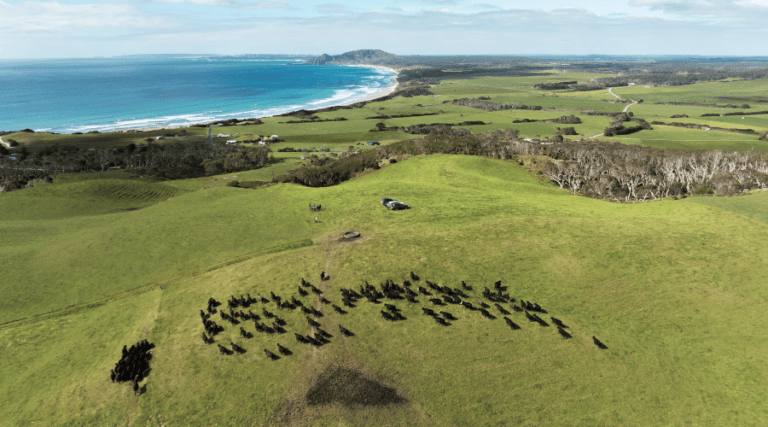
point(465, 286)
point(245, 334)
point(238, 349)
point(348, 303)
point(346, 332)
point(135, 388)
point(386, 315)
point(447, 315)
point(306, 310)
point(411, 299)
point(224, 350)
point(322, 276)
point(112, 373)
point(539, 309)
point(398, 316)
point(338, 309)
point(313, 322)
point(599, 344)
point(562, 331)
point(540, 320)
point(267, 314)
point(414, 277)
point(315, 290)
point(284, 351)
point(271, 355)
point(501, 309)
point(300, 338)
point(486, 314)
point(497, 285)
point(424, 291)
point(467, 305)
point(428, 311)
point(436, 301)
point(511, 324)
point(269, 330)
point(558, 322)
point(323, 333)
point(324, 301)
point(272, 294)
point(316, 312)
point(441, 321)
point(391, 307)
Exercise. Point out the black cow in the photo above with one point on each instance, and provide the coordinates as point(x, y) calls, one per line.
point(448, 316)
point(324, 301)
point(300, 338)
point(271, 355)
point(501, 309)
point(346, 332)
point(313, 322)
point(386, 315)
point(322, 276)
point(511, 324)
point(599, 344)
point(424, 290)
point(284, 351)
point(315, 290)
point(558, 322)
point(428, 311)
point(238, 349)
point(267, 314)
point(486, 314)
point(414, 277)
point(441, 321)
point(562, 331)
point(391, 308)
point(436, 301)
point(467, 305)
point(224, 350)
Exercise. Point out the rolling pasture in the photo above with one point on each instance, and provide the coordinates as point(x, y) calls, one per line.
point(674, 288)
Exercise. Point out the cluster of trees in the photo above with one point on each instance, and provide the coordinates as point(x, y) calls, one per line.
point(172, 161)
point(555, 86)
point(604, 170)
point(483, 104)
point(567, 120)
point(430, 129)
point(617, 126)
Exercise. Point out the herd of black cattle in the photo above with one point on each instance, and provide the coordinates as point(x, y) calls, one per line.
point(134, 365)
point(440, 296)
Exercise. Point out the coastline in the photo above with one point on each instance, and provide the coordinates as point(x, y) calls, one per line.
point(380, 93)
point(367, 98)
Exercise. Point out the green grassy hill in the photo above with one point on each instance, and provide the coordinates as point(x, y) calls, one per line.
point(675, 289)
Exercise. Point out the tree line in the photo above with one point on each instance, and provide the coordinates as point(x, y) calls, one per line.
point(169, 161)
point(598, 169)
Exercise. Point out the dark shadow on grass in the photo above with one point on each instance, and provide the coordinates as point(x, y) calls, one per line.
point(350, 387)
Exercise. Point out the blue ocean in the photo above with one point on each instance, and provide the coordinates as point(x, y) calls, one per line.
point(107, 94)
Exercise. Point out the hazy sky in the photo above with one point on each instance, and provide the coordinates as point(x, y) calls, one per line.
point(86, 28)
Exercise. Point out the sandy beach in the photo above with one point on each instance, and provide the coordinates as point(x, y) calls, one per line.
point(370, 97)
point(378, 94)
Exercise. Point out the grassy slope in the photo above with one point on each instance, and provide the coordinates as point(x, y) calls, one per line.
point(53, 264)
point(674, 289)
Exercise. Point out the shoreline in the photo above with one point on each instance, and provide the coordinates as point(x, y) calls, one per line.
point(382, 92)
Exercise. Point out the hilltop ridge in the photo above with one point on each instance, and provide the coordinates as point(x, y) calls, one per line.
point(363, 56)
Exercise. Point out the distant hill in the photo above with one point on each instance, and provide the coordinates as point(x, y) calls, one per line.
point(355, 57)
